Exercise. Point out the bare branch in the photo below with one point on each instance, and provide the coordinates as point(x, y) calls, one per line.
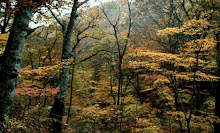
point(84, 2)
point(55, 17)
point(91, 56)
point(129, 28)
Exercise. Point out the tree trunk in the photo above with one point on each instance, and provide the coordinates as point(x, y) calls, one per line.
point(11, 59)
point(71, 89)
point(138, 89)
point(111, 76)
point(57, 110)
point(217, 93)
point(120, 78)
point(174, 88)
point(195, 85)
point(188, 125)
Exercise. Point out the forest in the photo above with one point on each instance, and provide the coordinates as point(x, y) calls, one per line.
point(109, 66)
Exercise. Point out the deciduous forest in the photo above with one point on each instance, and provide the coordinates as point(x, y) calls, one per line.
point(110, 66)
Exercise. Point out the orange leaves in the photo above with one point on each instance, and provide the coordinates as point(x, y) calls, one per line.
point(41, 72)
point(195, 27)
point(190, 27)
point(31, 90)
point(16, 9)
point(199, 45)
point(185, 91)
point(41, 77)
point(160, 62)
point(35, 92)
point(141, 48)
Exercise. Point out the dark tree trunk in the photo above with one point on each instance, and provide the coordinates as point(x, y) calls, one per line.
point(71, 91)
point(57, 113)
point(120, 79)
point(196, 90)
point(11, 59)
point(198, 102)
point(217, 95)
point(174, 88)
point(57, 110)
point(138, 89)
point(111, 76)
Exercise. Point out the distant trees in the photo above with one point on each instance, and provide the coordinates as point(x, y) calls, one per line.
point(83, 30)
point(189, 25)
point(119, 42)
point(121, 34)
point(168, 52)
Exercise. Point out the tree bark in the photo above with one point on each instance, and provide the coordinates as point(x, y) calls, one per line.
point(57, 110)
point(11, 59)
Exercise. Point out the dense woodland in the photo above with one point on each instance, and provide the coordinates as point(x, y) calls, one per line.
point(123, 66)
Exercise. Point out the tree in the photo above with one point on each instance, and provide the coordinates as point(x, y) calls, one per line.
point(11, 58)
point(81, 32)
point(153, 61)
point(57, 110)
point(121, 48)
point(174, 14)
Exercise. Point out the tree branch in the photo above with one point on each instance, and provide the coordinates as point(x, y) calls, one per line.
point(91, 56)
point(55, 17)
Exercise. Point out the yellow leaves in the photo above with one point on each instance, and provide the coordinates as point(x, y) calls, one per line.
point(200, 76)
point(153, 61)
point(196, 121)
point(15, 125)
point(169, 31)
point(205, 77)
point(161, 82)
point(25, 71)
point(148, 90)
point(178, 115)
point(143, 122)
point(96, 113)
point(41, 72)
point(199, 45)
point(3, 41)
point(185, 76)
point(130, 99)
point(1, 51)
point(4, 37)
point(193, 27)
point(91, 111)
point(155, 58)
point(124, 14)
point(211, 67)
point(150, 66)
